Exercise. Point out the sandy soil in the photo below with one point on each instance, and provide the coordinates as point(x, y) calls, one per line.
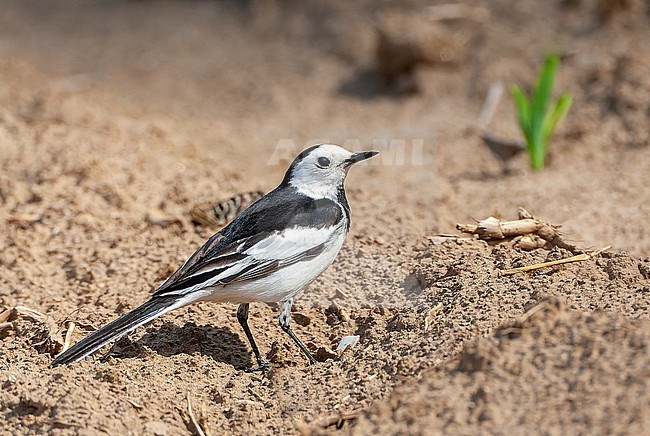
point(112, 113)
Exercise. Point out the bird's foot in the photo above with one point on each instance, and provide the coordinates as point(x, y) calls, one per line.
point(262, 366)
point(312, 360)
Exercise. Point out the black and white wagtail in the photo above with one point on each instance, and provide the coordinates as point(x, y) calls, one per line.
point(269, 253)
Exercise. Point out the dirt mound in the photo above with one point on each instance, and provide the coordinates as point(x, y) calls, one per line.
point(462, 278)
point(175, 358)
point(558, 371)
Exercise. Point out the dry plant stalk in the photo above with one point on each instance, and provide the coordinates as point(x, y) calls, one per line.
point(134, 404)
point(4, 317)
point(200, 430)
point(431, 316)
point(528, 232)
point(204, 420)
point(68, 337)
point(517, 327)
point(577, 258)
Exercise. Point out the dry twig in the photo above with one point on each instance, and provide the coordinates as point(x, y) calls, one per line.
point(495, 91)
point(204, 420)
point(197, 427)
point(134, 404)
point(544, 304)
point(578, 258)
point(4, 319)
point(530, 233)
point(5, 314)
point(68, 336)
point(431, 315)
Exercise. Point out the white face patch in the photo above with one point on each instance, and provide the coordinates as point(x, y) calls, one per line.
point(321, 173)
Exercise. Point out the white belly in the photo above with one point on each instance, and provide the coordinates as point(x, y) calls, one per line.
point(280, 285)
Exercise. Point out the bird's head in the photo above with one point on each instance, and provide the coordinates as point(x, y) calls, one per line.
point(320, 171)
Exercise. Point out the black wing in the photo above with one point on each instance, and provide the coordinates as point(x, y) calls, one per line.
point(281, 209)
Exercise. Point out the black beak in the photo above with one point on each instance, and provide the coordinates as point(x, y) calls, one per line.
point(358, 157)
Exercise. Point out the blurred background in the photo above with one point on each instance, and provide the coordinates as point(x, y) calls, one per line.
point(120, 114)
point(222, 90)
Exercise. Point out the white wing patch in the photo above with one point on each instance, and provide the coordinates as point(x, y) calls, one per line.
point(271, 253)
point(283, 282)
point(290, 243)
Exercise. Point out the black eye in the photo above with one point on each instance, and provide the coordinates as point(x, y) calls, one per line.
point(323, 162)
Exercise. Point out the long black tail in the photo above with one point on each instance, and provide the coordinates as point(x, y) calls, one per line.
point(149, 311)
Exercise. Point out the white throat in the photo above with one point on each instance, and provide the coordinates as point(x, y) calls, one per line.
point(316, 188)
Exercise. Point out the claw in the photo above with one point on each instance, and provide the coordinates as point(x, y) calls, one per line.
point(261, 367)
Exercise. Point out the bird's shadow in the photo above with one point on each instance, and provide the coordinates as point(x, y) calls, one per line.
point(219, 343)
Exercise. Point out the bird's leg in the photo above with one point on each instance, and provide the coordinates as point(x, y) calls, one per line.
point(242, 317)
point(285, 319)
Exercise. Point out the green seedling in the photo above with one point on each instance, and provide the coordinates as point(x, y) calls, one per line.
point(537, 117)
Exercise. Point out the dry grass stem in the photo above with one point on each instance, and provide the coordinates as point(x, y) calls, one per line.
point(5, 314)
point(204, 419)
point(431, 316)
point(68, 337)
point(134, 404)
point(193, 420)
point(578, 258)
